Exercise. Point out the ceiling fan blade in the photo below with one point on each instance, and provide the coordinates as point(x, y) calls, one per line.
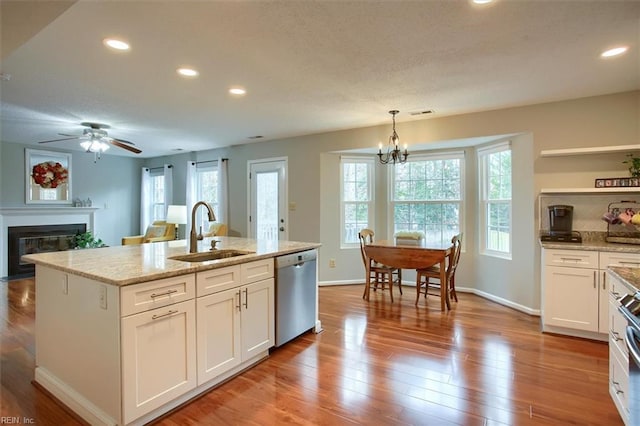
point(126, 145)
point(58, 140)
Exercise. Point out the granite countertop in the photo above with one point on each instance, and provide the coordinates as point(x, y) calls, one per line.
point(131, 264)
point(593, 241)
point(630, 276)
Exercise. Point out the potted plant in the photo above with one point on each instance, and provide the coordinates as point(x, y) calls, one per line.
point(84, 240)
point(634, 165)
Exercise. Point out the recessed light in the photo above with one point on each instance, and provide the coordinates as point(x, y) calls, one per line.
point(116, 44)
point(614, 52)
point(482, 1)
point(188, 72)
point(237, 91)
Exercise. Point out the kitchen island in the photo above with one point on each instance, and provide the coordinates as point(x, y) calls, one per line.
point(125, 334)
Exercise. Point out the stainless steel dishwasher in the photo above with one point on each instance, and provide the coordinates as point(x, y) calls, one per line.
point(295, 294)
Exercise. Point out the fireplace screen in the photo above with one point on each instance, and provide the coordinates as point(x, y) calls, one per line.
point(38, 239)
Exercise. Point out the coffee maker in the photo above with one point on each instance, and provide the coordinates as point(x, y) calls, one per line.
point(561, 225)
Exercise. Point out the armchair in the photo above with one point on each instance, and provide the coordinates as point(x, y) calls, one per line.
point(216, 229)
point(159, 230)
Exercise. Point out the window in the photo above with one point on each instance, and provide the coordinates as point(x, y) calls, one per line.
point(157, 194)
point(426, 195)
point(356, 198)
point(495, 199)
point(206, 190)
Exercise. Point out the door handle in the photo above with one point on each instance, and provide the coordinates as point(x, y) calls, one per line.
point(246, 298)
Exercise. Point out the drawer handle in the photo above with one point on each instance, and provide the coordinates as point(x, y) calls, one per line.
point(166, 293)
point(155, 317)
point(615, 335)
point(616, 385)
point(573, 259)
point(628, 263)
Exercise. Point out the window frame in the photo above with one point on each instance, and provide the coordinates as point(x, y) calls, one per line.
point(443, 155)
point(370, 162)
point(201, 218)
point(157, 174)
point(483, 155)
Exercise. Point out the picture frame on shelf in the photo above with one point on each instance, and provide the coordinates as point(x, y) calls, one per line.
point(617, 182)
point(47, 177)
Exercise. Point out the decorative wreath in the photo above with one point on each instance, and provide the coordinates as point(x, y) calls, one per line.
point(50, 174)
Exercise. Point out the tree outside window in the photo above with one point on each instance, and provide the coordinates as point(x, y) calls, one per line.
point(495, 168)
point(356, 197)
point(426, 195)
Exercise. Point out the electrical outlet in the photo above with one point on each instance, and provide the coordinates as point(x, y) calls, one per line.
point(103, 296)
point(332, 263)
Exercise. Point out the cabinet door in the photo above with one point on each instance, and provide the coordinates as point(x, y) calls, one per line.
point(158, 357)
point(258, 329)
point(571, 298)
point(218, 333)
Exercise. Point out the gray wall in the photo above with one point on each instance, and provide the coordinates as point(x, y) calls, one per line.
point(313, 186)
point(112, 183)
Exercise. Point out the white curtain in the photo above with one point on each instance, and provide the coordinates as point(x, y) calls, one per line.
point(222, 215)
point(145, 199)
point(168, 187)
point(192, 190)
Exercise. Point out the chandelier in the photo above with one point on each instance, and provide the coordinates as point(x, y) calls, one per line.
point(393, 154)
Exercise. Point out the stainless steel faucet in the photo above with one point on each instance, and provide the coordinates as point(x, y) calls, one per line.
point(193, 239)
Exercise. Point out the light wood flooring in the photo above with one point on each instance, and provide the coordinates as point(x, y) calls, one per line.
point(375, 363)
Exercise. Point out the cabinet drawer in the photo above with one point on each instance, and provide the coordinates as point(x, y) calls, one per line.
point(617, 328)
point(619, 383)
point(631, 260)
point(216, 280)
point(154, 294)
point(572, 258)
point(616, 288)
point(256, 271)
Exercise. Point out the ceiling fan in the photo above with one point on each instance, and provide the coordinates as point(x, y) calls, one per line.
point(95, 139)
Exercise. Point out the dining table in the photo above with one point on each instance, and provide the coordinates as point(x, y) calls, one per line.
point(417, 255)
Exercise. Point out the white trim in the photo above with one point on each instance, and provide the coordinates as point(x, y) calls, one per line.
point(499, 300)
point(493, 148)
point(34, 216)
point(593, 150)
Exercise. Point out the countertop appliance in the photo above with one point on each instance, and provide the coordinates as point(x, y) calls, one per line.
point(561, 226)
point(630, 308)
point(296, 288)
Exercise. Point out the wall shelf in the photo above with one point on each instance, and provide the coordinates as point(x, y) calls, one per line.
point(584, 151)
point(616, 190)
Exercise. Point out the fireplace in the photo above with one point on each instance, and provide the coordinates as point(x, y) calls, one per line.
point(38, 239)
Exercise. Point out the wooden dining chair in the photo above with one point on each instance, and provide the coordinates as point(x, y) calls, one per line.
point(424, 283)
point(379, 274)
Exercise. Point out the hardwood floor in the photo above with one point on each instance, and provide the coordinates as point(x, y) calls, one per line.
point(374, 363)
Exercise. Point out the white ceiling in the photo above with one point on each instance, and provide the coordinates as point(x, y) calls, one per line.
point(308, 66)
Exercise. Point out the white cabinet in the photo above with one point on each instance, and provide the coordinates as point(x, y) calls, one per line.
point(158, 357)
point(576, 290)
point(618, 352)
point(571, 293)
point(236, 320)
point(158, 345)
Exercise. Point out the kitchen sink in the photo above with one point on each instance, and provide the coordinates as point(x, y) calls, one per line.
point(210, 255)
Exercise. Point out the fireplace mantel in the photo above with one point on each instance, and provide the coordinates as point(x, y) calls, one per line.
point(33, 216)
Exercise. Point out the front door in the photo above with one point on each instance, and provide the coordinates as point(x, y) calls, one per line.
point(268, 199)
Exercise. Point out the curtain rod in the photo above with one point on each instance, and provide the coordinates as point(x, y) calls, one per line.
point(209, 161)
point(158, 168)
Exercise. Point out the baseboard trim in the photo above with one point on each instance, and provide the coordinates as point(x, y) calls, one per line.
point(499, 300)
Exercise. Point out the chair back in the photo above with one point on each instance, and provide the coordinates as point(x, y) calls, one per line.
point(456, 243)
point(366, 237)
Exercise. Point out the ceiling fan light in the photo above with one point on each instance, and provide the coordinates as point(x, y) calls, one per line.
point(86, 145)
